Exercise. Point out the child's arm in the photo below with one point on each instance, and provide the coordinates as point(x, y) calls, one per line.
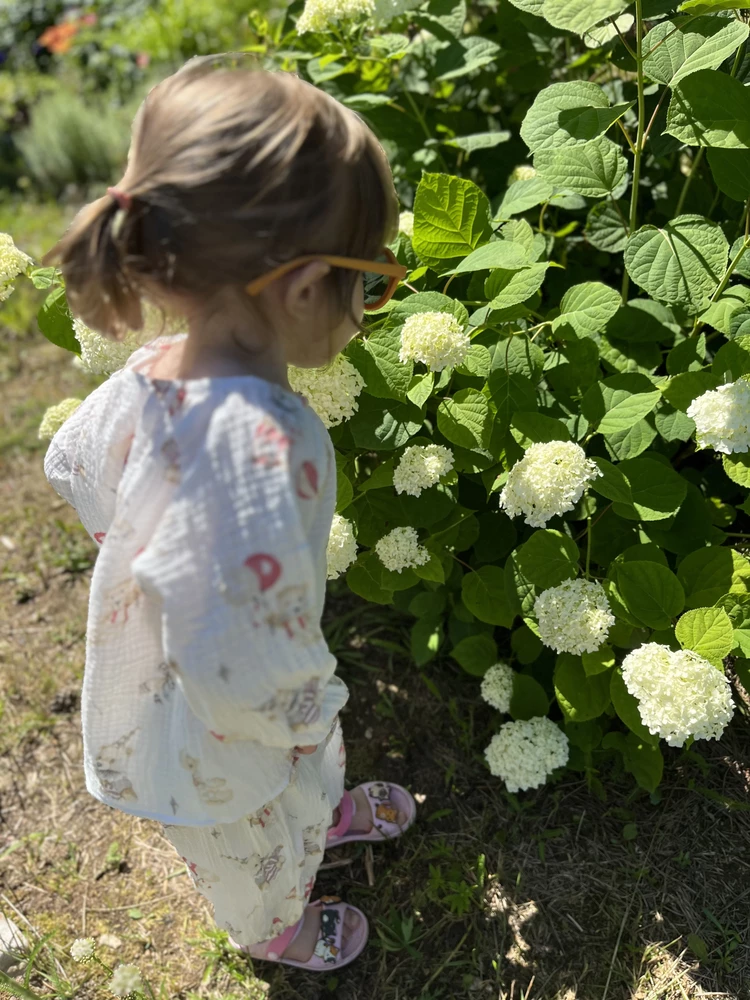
point(240, 594)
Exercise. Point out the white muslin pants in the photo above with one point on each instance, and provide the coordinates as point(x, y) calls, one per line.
point(259, 871)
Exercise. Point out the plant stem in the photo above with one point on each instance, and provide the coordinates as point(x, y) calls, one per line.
point(420, 118)
point(588, 547)
point(689, 179)
point(639, 140)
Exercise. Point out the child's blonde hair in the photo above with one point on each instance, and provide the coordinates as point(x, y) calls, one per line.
point(231, 172)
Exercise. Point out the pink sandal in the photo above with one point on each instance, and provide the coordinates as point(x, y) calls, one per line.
point(329, 953)
point(384, 822)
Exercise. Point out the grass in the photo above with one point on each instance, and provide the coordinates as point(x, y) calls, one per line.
point(552, 895)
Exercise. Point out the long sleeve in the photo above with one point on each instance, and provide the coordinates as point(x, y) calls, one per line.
point(240, 589)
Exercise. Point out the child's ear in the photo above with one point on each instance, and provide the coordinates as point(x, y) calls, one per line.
point(302, 287)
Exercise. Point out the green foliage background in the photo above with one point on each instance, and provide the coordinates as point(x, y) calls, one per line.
point(603, 293)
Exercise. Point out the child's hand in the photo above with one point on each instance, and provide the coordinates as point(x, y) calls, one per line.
point(308, 749)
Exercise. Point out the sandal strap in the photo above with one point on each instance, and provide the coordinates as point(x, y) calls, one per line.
point(346, 810)
point(328, 946)
point(276, 947)
point(377, 793)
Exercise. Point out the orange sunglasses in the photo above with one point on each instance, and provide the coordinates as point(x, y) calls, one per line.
point(381, 277)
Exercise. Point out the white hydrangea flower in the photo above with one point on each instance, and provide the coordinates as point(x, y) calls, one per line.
point(523, 172)
point(422, 466)
point(12, 263)
point(497, 687)
point(722, 418)
point(342, 547)
point(574, 617)
point(125, 980)
point(82, 949)
point(550, 479)
point(680, 694)
point(331, 391)
point(406, 224)
point(435, 338)
point(526, 752)
point(55, 416)
point(400, 549)
point(100, 355)
point(319, 15)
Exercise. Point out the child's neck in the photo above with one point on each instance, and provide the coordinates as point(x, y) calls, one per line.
point(196, 357)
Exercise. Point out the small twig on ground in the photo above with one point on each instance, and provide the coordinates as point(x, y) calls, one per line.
point(369, 866)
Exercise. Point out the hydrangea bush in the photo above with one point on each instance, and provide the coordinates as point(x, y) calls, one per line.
point(543, 440)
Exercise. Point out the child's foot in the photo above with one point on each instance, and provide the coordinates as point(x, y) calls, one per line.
point(301, 949)
point(362, 818)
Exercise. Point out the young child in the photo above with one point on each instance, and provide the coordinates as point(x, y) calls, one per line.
point(209, 699)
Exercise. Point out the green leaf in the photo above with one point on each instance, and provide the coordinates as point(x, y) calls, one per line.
point(606, 228)
point(43, 277)
point(737, 467)
point(476, 654)
point(548, 558)
point(511, 392)
point(531, 428)
point(364, 579)
point(476, 363)
point(420, 388)
point(426, 639)
point(508, 288)
point(464, 419)
point(593, 170)
point(710, 108)
point(719, 314)
point(652, 593)
point(587, 307)
point(688, 355)
point(580, 15)
point(465, 55)
point(641, 488)
point(676, 51)
point(377, 359)
point(431, 570)
point(452, 218)
point(709, 573)
point(599, 661)
point(480, 140)
point(732, 360)
point(526, 645)
point(711, 6)
point(523, 195)
point(731, 171)
point(619, 402)
point(366, 102)
point(566, 114)
point(499, 253)
point(626, 707)
point(376, 428)
point(643, 320)
point(644, 761)
point(707, 631)
point(484, 594)
point(519, 356)
point(529, 699)
point(631, 442)
point(683, 389)
point(427, 302)
point(674, 425)
point(580, 697)
point(56, 322)
point(682, 263)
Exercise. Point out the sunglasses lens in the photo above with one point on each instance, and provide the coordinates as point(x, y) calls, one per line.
point(376, 285)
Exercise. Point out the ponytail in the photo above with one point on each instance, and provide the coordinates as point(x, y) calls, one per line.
point(93, 256)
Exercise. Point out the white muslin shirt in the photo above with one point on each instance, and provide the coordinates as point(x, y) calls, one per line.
point(211, 500)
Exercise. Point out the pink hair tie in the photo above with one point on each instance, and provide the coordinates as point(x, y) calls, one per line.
point(123, 200)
